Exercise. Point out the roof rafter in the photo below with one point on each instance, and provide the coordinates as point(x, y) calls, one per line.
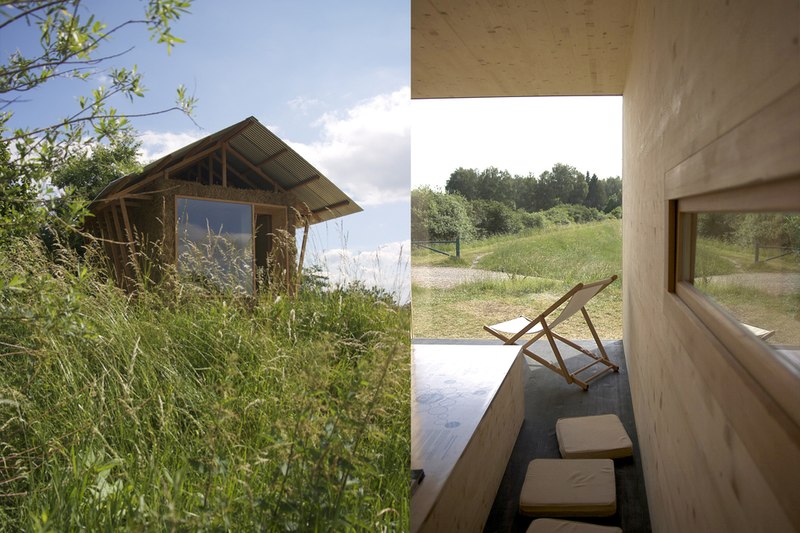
point(306, 181)
point(238, 174)
point(331, 206)
point(273, 156)
point(254, 168)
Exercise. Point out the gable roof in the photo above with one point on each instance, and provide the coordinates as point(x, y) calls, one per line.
point(262, 149)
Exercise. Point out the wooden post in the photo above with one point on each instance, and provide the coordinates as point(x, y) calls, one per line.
point(224, 164)
point(120, 237)
point(757, 251)
point(302, 255)
point(130, 238)
point(119, 272)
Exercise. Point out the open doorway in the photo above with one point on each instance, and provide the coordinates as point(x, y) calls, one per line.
point(514, 201)
point(269, 223)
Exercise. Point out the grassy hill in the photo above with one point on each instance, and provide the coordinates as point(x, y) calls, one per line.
point(541, 266)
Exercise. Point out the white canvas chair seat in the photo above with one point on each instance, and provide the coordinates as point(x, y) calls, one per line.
point(576, 299)
point(551, 525)
point(515, 324)
point(761, 333)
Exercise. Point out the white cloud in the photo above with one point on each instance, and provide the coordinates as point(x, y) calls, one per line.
point(303, 104)
point(158, 144)
point(366, 149)
point(102, 79)
point(387, 268)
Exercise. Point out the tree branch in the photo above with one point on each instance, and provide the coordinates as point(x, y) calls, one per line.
point(65, 59)
point(29, 12)
point(22, 87)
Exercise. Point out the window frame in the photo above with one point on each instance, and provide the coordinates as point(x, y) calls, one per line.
point(760, 359)
point(778, 377)
point(178, 198)
point(775, 375)
point(754, 167)
point(256, 208)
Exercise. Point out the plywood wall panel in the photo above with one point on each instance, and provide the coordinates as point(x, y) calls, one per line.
point(698, 69)
point(474, 48)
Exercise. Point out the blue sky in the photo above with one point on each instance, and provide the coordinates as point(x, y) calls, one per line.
point(329, 78)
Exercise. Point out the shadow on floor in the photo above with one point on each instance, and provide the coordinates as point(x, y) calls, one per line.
point(547, 398)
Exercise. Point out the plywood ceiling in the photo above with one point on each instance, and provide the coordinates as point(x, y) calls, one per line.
point(472, 48)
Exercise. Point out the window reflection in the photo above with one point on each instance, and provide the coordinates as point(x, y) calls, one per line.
point(215, 243)
point(749, 263)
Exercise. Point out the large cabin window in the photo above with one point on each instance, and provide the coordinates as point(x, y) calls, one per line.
point(215, 243)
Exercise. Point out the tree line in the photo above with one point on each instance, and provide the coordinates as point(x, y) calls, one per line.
point(492, 202)
point(563, 184)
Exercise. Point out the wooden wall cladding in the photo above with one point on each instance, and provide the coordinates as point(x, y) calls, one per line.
point(717, 456)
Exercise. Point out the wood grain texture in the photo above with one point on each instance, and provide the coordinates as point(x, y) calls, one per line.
point(710, 96)
point(473, 48)
point(717, 455)
point(462, 477)
point(763, 148)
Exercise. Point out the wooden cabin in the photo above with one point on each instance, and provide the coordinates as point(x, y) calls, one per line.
point(711, 122)
point(223, 209)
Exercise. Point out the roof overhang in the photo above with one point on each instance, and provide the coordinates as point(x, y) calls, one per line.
point(259, 148)
point(476, 48)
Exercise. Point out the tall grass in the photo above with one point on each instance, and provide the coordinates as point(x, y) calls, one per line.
point(185, 408)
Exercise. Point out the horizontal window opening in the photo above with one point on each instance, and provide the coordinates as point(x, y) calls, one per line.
point(748, 264)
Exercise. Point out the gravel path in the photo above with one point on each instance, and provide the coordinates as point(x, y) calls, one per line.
point(775, 283)
point(447, 277)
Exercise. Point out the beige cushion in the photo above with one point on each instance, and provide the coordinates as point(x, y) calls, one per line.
point(569, 487)
point(593, 437)
point(548, 525)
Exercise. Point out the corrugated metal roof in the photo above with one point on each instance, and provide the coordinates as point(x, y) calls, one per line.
point(271, 155)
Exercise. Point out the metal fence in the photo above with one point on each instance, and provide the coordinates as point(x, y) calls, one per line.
point(427, 246)
point(784, 249)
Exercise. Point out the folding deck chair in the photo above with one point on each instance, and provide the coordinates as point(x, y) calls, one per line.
point(513, 330)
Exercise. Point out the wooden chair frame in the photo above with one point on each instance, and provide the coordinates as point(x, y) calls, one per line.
point(539, 327)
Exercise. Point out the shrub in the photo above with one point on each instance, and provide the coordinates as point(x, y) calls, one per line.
point(573, 213)
point(533, 220)
point(439, 216)
point(558, 215)
point(491, 217)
